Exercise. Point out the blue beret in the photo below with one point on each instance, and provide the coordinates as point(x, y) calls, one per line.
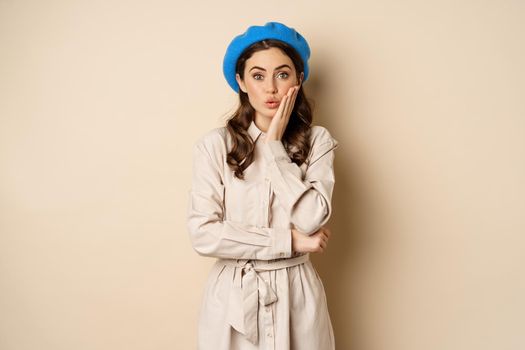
point(271, 30)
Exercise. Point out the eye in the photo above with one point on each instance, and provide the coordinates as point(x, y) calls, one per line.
point(284, 74)
point(256, 75)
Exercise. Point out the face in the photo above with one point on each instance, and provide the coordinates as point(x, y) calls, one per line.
point(268, 75)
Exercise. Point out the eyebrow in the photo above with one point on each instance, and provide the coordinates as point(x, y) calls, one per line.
point(281, 66)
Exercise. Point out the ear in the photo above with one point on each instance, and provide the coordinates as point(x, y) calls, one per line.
point(240, 82)
point(301, 78)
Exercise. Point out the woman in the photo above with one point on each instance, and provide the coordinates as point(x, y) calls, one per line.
point(261, 193)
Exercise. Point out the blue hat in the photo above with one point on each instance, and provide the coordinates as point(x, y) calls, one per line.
point(271, 30)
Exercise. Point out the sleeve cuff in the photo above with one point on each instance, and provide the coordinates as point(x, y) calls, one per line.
point(283, 243)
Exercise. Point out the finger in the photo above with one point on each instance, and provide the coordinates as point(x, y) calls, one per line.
point(286, 113)
point(294, 96)
point(327, 230)
point(278, 122)
point(290, 94)
point(282, 106)
point(286, 105)
point(284, 116)
point(318, 233)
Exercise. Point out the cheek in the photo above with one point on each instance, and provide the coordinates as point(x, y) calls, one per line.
point(254, 92)
point(252, 97)
point(287, 84)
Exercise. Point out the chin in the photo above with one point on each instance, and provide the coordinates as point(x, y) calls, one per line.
point(271, 113)
point(267, 114)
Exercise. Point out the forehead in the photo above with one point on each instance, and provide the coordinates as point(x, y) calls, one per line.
point(268, 59)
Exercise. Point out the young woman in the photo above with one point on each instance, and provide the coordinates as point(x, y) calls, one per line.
point(261, 195)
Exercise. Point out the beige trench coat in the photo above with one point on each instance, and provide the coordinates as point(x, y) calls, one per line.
point(259, 294)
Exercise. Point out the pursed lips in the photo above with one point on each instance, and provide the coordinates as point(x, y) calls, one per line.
point(272, 104)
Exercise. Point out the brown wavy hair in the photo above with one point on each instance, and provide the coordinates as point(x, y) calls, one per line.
point(297, 134)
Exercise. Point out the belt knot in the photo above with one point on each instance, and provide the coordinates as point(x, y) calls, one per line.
point(255, 290)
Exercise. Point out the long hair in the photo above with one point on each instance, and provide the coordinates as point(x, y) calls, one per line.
point(297, 134)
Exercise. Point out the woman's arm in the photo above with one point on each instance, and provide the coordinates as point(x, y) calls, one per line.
point(306, 201)
point(211, 235)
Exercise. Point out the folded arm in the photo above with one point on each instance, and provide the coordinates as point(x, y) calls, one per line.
point(307, 201)
point(210, 234)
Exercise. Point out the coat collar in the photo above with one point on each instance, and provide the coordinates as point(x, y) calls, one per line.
point(254, 131)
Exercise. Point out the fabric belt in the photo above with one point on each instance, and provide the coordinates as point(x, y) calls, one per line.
point(253, 289)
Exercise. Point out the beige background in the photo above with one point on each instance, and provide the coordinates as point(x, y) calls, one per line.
point(101, 101)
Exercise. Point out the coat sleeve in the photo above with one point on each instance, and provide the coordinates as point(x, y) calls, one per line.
point(213, 236)
point(307, 201)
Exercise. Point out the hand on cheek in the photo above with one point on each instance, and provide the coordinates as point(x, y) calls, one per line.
point(282, 115)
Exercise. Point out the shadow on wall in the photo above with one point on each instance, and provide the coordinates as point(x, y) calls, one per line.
point(338, 265)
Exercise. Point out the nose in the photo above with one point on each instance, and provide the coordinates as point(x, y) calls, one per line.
point(271, 87)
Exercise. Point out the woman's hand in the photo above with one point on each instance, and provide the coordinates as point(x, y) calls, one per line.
point(282, 116)
point(315, 243)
